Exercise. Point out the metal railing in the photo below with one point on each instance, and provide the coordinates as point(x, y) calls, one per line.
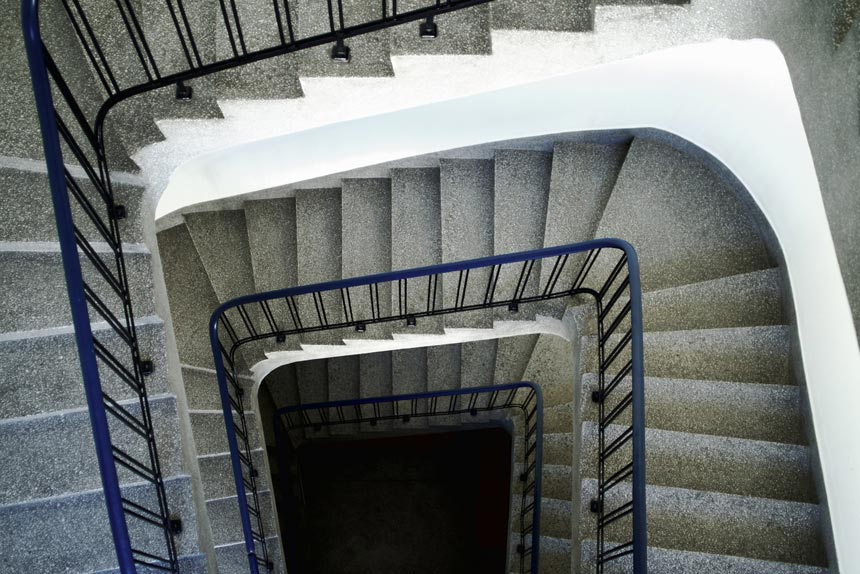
point(120, 53)
point(606, 270)
point(524, 397)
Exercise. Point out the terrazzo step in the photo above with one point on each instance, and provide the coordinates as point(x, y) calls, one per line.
point(375, 380)
point(512, 358)
point(712, 463)
point(558, 419)
point(582, 178)
point(555, 516)
point(201, 388)
point(31, 277)
point(710, 522)
point(443, 373)
point(274, 78)
point(271, 225)
point(462, 32)
point(555, 481)
point(343, 385)
point(746, 300)
point(667, 561)
point(318, 248)
point(226, 524)
point(216, 472)
point(742, 410)
point(74, 534)
point(28, 212)
point(42, 449)
point(522, 182)
point(192, 298)
point(366, 231)
point(555, 554)
point(221, 240)
point(408, 376)
point(467, 196)
point(233, 557)
point(662, 188)
point(369, 53)
point(748, 354)
point(554, 15)
point(551, 366)
point(41, 371)
point(416, 237)
point(210, 435)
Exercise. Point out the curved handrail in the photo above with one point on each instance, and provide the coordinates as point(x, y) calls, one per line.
point(608, 291)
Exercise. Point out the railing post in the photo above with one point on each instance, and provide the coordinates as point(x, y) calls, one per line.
point(74, 285)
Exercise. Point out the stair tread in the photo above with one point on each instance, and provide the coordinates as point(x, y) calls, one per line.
point(725, 408)
point(714, 463)
point(719, 523)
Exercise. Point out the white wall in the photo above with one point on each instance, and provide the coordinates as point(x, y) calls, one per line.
point(732, 99)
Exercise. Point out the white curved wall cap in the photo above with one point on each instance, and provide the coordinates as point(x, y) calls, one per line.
point(732, 99)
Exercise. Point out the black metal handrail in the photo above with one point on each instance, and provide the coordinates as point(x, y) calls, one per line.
point(524, 397)
point(118, 52)
point(606, 270)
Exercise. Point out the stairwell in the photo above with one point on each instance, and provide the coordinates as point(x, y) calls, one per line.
point(730, 485)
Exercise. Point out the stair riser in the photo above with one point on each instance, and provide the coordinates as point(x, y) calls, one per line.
point(717, 464)
point(43, 449)
point(226, 524)
point(73, 532)
point(32, 281)
point(53, 362)
point(758, 412)
point(720, 524)
point(210, 435)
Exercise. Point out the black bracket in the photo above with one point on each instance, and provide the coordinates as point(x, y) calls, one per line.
point(119, 212)
point(360, 327)
point(406, 418)
point(281, 338)
point(146, 367)
point(340, 52)
point(473, 412)
point(428, 29)
point(183, 92)
point(595, 506)
point(595, 396)
point(175, 524)
point(520, 548)
point(411, 321)
point(514, 307)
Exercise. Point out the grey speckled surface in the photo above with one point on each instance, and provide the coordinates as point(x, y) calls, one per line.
point(512, 357)
point(32, 279)
point(551, 366)
point(662, 188)
point(409, 375)
point(318, 248)
point(714, 463)
point(558, 15)
point(745, 354)
point(668, 561)
point(221, 240)
point(54, 454)
point(466, 188)
point(366, 229)
point(744, 410)
point(192, 299)
point(41, 373)
point(343, 384)
point(234, 558)
point(225, 522)
point(209, 434)
point(463, 32)
point(416, 235)
point(723, 524)
point(73, 530)
point(522, 181)
point(217, 474)
point(375, 381)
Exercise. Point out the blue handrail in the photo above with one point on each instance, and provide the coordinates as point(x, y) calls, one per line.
point(426, 404)
point(603, 279)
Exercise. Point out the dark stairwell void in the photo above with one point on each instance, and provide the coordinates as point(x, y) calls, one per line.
point(422, 503)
